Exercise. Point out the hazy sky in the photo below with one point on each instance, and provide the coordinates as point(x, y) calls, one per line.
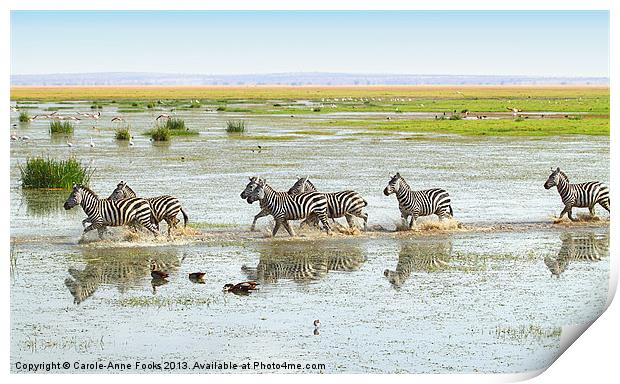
point(502, 43)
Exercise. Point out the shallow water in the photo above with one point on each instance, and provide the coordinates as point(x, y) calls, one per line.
point(452, 302)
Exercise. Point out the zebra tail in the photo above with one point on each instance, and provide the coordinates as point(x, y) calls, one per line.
point(451, 212)
point(365, 202)
point(185, 218)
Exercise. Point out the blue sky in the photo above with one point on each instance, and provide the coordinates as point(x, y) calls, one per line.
point(461, 42)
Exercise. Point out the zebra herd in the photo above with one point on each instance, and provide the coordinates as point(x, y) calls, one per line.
point(122, 207)
point(303, 202)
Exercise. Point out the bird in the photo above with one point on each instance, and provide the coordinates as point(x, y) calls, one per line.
point(117, 118)
point(514, 110)
point(92, 143)
point(197, 277)
point(157, 274)
point(14, 109)
point(25, 137)
point(243, 288)
point(317, 324)
point(163, 116)
point(131, 143)
point(69, 144)
point(31, 119)
point(14, 136)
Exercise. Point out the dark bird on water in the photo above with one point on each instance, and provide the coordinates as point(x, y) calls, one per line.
point(157, 274)
point(243, 288)
point(197, 277)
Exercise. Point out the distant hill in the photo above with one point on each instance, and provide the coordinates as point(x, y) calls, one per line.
point(301, 78)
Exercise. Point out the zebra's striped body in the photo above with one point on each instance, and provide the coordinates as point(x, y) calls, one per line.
point(339, 204)
point(579, 247)
point(418, 203)
point(284, 207)
point(163, 207)
point(584, 195)
point(300, 186)
point(103, 212)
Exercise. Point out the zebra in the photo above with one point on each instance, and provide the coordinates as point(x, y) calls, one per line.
point(578, 247)
point(103, 212)
point(419, 256)
point(418, 203)
point(164, 207)
point(578, 195)
point(284, 207)
point(339, 204)
point(300, 186)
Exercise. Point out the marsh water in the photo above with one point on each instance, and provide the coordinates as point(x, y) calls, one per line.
point(447, 301)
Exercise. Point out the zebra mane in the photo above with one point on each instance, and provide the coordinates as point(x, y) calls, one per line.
point(404, 182)
point(128, 188)
point(88, 190)
point(563, 175)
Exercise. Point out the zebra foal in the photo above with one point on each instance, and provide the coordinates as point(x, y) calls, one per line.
point(418, 203)
point(104, 213)
point(578, 195)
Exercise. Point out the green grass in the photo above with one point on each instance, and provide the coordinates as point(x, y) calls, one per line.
point(235, 126)
point(57, 126)
point(500, 127)
point(24, 117)
point(41, 172)
point(122, 133)
point(159, 133)
point(175, 123)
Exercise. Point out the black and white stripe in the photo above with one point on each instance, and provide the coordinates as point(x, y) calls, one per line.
point(284, 207)
point(578, 247)
point(104, 213)
point(164, 207)
point(347, 204)
point(300, 186)
point(419, 256)
point(584, 195)
point(418, 203)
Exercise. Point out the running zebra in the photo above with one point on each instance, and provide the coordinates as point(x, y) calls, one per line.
point(164, 207)
point(578, 195)
point(339, 204)
point(578, 247)
point(103, 212)
point(300, 186)
point(418, 203)
point(284, 207)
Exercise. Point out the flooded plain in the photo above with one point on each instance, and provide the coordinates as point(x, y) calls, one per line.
point(467, 300)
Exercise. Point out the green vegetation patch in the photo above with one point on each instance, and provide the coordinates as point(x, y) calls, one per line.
point(58, 126)
point(41, 172)
point(499, 127)
point(235, 126)
point(122, 133)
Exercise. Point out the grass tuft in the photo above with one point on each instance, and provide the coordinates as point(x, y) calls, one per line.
point(122, 133)
point(40, 172)
point(24, 117)
point(235, 126)
point(159, 133)
point(57, 126)
point(175, 123)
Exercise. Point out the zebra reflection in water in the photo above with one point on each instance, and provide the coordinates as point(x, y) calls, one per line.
point(419, 256)
point(588, 246)
point(303, 263)
point(123, 268)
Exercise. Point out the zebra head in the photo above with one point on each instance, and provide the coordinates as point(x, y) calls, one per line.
point(250, 187)
point(75, 198)
point(394, 184)
point(302, 185)
point(119, 192)
point(258, 192)
point(553, 179)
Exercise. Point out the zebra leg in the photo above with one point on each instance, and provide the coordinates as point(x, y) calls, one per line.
point(101, 231)
point(275, 228)
point(323, 219)
point(364, 216)
point(592, 211)
point(570, 214)
point(413, 221)
point(288, 228)
point(564, 211)
point(350, 221)
point(260, 214)
point(171, 223)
